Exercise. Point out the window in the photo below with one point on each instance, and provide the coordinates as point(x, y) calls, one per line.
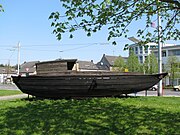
point(156, 54)
point(153, 46)
point(141, 59)
point(163, 54)
point(146, 49)
point(141, 50)
point(174, 52)
point(178, 81)
point(136, 50)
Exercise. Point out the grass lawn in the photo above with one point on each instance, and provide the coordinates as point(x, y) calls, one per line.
point(9, 92)
point(102, 116)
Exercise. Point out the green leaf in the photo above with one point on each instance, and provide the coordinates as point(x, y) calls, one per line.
point(109, 37)
point(72, 29)
point(88, 34)
point(103, 6)
point(60, 30)
point(94, 30)
point(58, 36)
point(57, 25)
point(71, 36)
point(126, 45)
point(114, 43)
point(122, 25)
point(108, 2)
point(70, 18)
point(52, 15)
point(52, 24)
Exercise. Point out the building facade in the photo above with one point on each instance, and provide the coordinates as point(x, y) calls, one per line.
point(85, 66)
point(167, 52)
point(6, 73)
point(28, 68)
point(143, 51)
point(107, 62)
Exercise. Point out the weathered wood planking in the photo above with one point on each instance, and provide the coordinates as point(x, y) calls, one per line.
point(48, 68)
point(85, 84)
point(52, 67)
point(55, 79)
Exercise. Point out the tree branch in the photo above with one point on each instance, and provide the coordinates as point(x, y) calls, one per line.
point(176, 2)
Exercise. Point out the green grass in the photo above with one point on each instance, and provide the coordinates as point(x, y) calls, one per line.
point(9, 92)
point(103, 116)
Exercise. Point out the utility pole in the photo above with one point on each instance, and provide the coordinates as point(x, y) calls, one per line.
point(8, 67)
point(18, 58)
point(159, 52)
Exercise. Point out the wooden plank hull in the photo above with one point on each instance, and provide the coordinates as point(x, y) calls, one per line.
point(85, 85)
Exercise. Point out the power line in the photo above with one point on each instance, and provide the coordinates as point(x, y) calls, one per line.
point(61, 44)
point(74, 48)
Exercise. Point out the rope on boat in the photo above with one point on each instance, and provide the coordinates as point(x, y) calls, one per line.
point(93, 85)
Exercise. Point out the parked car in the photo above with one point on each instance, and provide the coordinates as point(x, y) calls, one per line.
point(176, 88)
point(154, 88)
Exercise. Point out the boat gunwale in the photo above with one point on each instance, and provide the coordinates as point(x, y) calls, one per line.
point(93, 74)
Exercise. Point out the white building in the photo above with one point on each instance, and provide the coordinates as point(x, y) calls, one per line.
point(168, 51)
point(143, 51)
point(2, 74)
point(5, 74)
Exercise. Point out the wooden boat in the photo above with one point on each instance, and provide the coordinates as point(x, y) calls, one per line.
point(85, 84)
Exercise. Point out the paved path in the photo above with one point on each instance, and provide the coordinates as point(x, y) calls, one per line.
point(166, 93)
point(8, 87)
point(13, 97)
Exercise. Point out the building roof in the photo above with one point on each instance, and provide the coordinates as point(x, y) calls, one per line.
point(88, 65)
point(107, 61)
point(57, 61)
point(112, 59)
point(28, 67)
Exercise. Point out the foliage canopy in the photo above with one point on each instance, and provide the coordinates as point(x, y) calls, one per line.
point(119, 64)
point(1, 8)
point(133, 64)
point(151, 64)
point(92, 15)
point(172, 67)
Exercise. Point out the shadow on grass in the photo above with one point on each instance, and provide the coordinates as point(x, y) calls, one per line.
point(92, 116)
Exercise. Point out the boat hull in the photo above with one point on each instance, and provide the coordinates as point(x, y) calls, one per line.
point(85, 85)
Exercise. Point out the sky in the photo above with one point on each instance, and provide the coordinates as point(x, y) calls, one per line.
point(26, 22)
